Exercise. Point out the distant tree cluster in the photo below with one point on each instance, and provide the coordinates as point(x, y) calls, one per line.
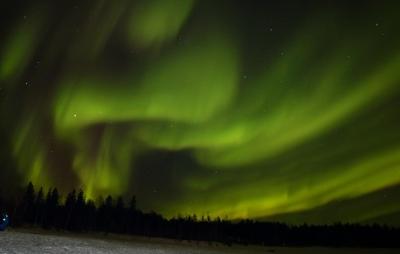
point(113, 216)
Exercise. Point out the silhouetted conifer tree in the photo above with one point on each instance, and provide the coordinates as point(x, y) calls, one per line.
point(120, 215)
point(108, 214)
point(28, 204)
point(69, 207)
point(51, 206)
point(39, 207)
point(79, 211)
point(90, 215)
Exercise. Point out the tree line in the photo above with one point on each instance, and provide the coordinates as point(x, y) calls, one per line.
point(109, 215)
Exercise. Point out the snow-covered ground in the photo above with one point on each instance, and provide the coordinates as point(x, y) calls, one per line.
point(24, 242)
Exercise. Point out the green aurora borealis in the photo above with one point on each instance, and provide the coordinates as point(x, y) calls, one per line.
point(245, 109)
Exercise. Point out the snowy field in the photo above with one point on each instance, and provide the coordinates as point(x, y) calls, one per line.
point(24, 242)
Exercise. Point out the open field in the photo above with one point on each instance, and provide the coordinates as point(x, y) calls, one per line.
point(47, 243)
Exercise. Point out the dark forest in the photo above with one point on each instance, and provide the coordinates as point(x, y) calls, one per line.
point(108, 215)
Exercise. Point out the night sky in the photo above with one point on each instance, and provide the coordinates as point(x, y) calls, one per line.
point(279, 110)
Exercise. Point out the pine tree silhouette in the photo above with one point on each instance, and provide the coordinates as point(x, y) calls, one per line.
point(39, 207)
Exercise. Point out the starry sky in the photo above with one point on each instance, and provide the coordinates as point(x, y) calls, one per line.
point(278, 110)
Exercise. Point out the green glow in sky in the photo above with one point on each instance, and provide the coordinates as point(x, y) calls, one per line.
point(154, 22)
point(210, 109)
